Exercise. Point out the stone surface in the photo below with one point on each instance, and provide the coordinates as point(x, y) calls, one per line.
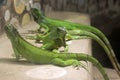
point(26, 19)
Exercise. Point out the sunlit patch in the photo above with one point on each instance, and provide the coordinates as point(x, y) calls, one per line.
point(46, 72)
point(69, 42)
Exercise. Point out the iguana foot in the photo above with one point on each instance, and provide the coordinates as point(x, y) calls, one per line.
point(78, 64)
point(56, 51)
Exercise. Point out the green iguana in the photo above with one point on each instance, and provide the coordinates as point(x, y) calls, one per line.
point(40, 56)
point(53, 40)
point(74, 29)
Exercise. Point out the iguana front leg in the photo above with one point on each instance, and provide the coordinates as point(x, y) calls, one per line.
point(48, 46)
point(43, 26)
point(63, 63)
point(37, 38)
point(17, 55)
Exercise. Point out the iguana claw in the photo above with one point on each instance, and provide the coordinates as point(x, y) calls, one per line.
point(78, 65)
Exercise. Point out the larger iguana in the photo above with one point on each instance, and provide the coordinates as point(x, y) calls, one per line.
point(74, 29)
point(41, 56)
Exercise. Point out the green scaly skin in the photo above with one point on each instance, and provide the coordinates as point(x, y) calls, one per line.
point(49, 24)
point(40, 56)
point(54, 40)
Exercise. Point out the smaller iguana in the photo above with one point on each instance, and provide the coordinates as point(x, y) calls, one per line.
point(53, 40)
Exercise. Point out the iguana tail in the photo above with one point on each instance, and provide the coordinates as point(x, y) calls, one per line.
point(86, 34)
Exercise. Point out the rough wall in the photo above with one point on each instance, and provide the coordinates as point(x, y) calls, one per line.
point(88, 6)
point(16, 12)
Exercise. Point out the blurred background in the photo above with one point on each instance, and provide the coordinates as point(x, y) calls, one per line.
point(104, 14)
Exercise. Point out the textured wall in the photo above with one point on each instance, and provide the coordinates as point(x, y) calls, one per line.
point(87, 6)
point(16, 12)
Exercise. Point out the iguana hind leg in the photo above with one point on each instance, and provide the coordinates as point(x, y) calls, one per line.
point(63, 63)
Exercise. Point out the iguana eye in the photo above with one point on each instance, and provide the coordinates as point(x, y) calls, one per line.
point(61, 29)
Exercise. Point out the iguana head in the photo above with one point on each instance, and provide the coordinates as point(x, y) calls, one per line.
point(61, 31)
point(37, 14)
point(11, 31)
